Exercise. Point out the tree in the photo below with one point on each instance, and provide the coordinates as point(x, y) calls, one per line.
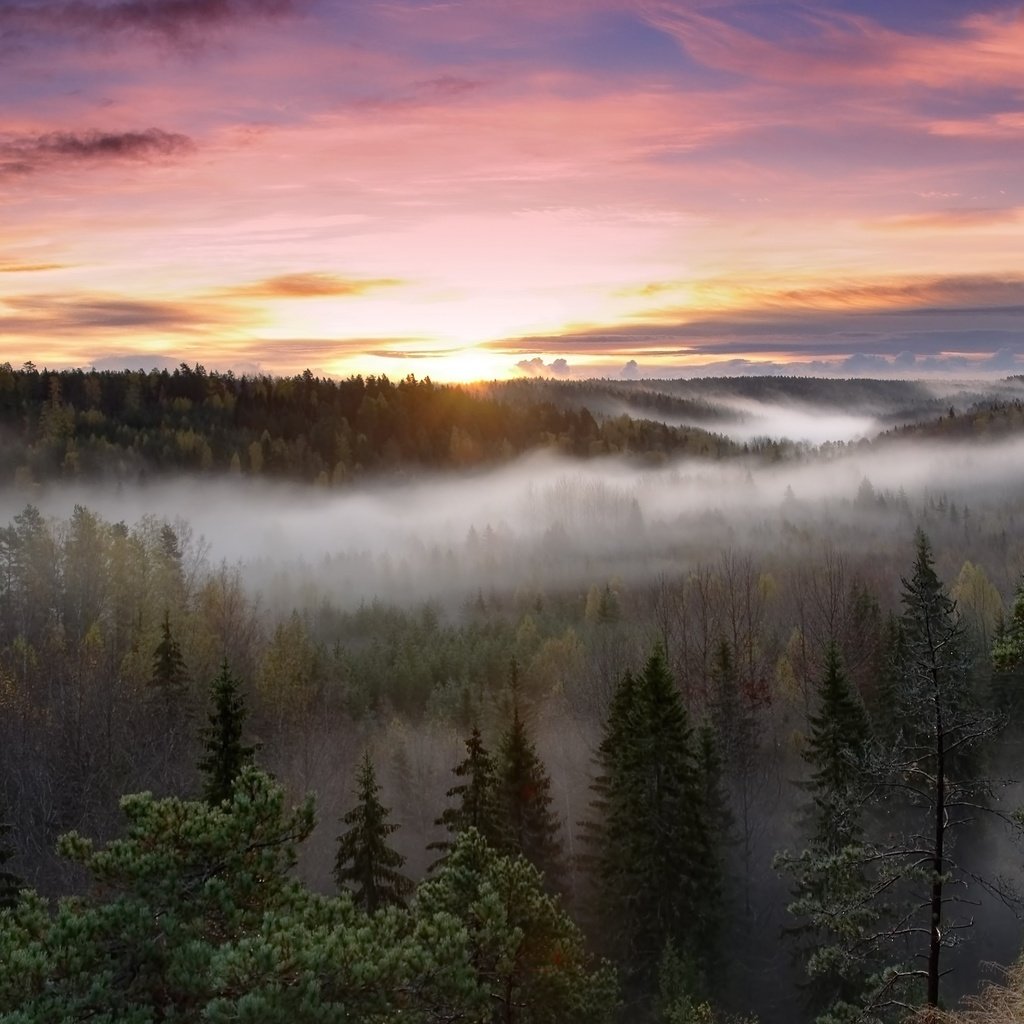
point(194, 915)
point(832, 889)
point(655, 865)
point(836, 756)
point(526, 823)
point(1008, 658)
point(943, 724)
point(476, 797)
point(364, 860)
point(527, 954)
point(226, 755)
point(930, 778)
point(169, 677)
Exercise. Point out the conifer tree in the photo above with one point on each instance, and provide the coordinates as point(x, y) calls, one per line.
point(943, 726)
point(655, 863)
point(526, 823)
point(1008, 659)
point(832, 891)
point(364, 861)
point(713, 812)
point(836, 754)
point(169, 676)
point(226, 755)
point(476, 797)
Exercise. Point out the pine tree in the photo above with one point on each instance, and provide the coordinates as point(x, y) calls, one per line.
point(476, 805)
point(364, 861)
point(169, 676)
point(526, 823)
point(226, 754)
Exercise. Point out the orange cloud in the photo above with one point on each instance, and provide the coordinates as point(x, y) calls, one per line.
point(312, 285)
point(954, 220)
point(18, 267)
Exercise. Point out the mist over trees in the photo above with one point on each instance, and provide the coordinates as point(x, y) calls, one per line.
point(669, 741)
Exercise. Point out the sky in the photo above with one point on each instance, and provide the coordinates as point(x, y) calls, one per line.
point(470, 189)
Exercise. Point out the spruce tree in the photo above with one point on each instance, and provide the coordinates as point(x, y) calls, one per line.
point(942, 728)
point(226, 755)
point(476, 797)
point(655, 866)
point(169, 676)
point(832, 890)
point(364, 861)
point(836, 754)
point(1008, 660)
point(526, 823)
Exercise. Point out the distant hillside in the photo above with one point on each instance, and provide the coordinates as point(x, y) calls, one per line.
point(990, 418)
point(126, 425)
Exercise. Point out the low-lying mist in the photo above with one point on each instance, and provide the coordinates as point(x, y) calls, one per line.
point(545, 521)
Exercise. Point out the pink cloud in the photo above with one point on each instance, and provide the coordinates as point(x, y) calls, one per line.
point(838, 49)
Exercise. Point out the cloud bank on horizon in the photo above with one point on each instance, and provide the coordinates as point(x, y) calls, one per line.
point(629, 188)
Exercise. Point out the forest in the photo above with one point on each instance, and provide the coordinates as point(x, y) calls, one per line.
point(536, 701)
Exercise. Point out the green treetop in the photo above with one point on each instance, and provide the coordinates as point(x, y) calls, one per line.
point(364, 861)
point(226, 755)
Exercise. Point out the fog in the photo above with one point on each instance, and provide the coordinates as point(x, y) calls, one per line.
point(802, 423)
point(545, 521)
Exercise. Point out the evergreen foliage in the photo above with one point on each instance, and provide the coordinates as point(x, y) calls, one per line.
point(527, 954)
point(226, 755)
point(475, 798)
point(193, 916)
point(657, 869)
point(1008, 659)
point(170, 677)
point(527, 825)
point(836, 756)
point(832, 887)
point(364, 861)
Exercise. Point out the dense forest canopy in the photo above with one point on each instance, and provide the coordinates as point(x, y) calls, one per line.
point(126, 425)
point(647, 727)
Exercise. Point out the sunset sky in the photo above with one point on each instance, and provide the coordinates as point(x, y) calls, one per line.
point(495, 187)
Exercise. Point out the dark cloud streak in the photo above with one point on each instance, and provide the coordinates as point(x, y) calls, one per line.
point(28, 154)
point(175, 20)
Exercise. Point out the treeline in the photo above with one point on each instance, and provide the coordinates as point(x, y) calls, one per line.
point(125, 425)
point(984, 420)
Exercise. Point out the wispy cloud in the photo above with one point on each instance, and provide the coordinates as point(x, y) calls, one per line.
point(312, 285)
point(88, 312)
point(836, 48)
point(28, 154)
point(20, 267)
point(176, 20)
point(953, 219)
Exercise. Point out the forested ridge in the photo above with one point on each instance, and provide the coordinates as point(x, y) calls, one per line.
point(123, 425)
point(129, 425)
